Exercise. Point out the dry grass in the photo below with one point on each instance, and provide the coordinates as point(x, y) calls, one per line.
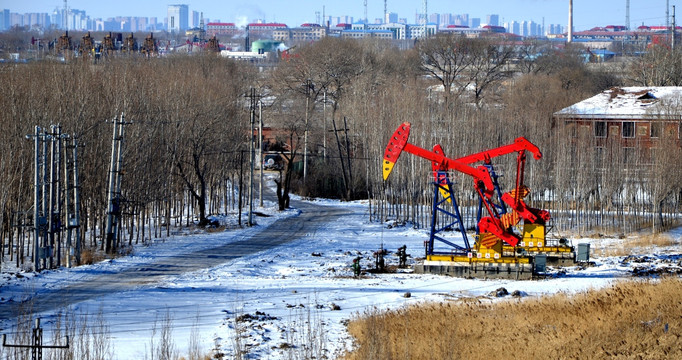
point(637, 244)
point(91, 256)
point(631, 320)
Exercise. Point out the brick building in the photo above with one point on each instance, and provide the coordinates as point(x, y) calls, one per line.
point(221, 29)
point(637, 120)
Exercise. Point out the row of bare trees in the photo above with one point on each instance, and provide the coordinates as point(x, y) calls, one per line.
point(470, 95)
point(341, 99)
point(181, 153)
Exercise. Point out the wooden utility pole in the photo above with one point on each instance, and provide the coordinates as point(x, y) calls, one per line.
point(260, 150)
point(308, 88)
point(252, 154)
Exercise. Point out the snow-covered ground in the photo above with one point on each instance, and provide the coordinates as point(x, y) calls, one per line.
point(275, 292)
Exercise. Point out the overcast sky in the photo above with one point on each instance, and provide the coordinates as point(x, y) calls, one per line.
point(587, 13)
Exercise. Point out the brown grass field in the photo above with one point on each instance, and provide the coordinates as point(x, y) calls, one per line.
point(638, 244)
point(630, 320)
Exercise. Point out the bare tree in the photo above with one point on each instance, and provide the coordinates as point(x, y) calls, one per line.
point(660, 66)
point(445, 57)
point(488, 65)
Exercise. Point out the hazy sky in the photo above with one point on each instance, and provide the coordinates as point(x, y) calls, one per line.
point(587, 13)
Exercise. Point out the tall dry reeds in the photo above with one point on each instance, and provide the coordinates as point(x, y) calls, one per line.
point(632, 319)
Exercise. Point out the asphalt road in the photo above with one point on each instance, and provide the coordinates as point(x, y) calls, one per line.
point(277, 234)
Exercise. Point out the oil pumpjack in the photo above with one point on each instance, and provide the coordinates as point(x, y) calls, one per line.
point(511, 237)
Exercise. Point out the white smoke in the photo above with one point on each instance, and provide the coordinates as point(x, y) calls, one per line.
point(241, 21)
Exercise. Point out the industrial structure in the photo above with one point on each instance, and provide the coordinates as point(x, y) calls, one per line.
point(511, 237)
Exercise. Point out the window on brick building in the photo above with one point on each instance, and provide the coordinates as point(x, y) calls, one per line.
point(655, 129)
point(628, 129)
point(600, 129)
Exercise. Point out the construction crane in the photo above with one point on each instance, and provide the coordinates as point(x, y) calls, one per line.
point(497, 241)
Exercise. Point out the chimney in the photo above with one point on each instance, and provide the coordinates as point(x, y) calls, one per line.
point(570, 21)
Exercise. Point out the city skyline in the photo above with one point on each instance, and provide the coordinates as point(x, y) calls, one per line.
point(587, 14)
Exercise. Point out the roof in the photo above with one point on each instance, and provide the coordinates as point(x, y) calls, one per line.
point(369, 31)
point(636, 102)
point(219, 24)
point(266, 25)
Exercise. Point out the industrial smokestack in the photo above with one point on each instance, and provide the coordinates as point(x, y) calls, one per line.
point(570, 21)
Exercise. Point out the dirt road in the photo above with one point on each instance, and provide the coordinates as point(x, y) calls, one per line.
point(277, 234)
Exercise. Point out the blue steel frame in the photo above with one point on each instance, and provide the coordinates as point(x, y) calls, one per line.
point(455, 219)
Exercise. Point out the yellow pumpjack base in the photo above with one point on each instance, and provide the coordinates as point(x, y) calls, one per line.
point(541, 249)
point(474, 259)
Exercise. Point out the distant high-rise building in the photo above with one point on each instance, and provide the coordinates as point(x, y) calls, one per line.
point(56, 18)
point(524, 28)
point(555, 29)
point(493, 20)
point(530, 29)
point(475, 23)
point(177, 18)
point(195, 19)
point(513, 27)
point(462, 20)
point(16, 19)
point(534, 29)
point(434, 18)
point(446, 19)
point(153, 24)
point(392, 18)
point(4, 19)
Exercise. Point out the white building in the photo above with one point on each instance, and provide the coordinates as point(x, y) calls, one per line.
point(178, 18)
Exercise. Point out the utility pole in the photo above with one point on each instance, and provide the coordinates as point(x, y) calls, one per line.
point(114, 193)
point(667, 14)
point(37, 223)
point(67, 213)
point(251, 152)
point(37, 344)
point(51, 200)
point(54, 202)
point(45, 210)
point(308, 86)
point(385, 11)
point(324, 126)
point(672, 42)
point(71, 202)
point(251, 157)
point(426, 17)
point(76, 202)
point(260, 149)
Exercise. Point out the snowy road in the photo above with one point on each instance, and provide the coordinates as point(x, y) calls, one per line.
point(311, 218)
